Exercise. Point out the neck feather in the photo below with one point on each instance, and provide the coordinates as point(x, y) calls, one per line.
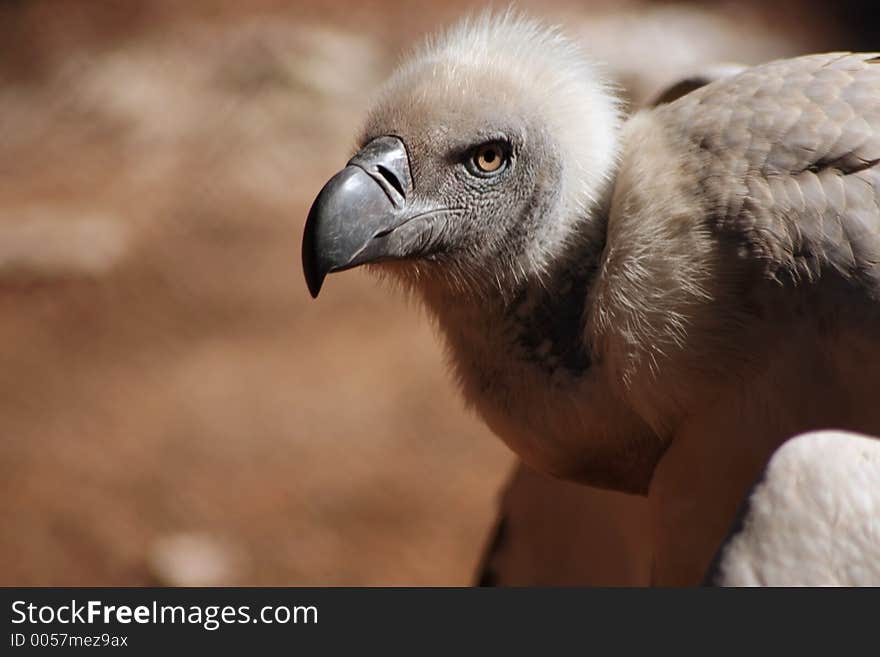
point(523, 361)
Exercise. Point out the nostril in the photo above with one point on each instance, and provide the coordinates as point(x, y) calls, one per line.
point(392, 179)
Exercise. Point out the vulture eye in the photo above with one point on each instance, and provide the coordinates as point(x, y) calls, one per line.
point(489, 158)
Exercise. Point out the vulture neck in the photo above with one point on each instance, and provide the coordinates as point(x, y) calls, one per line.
point(524, 362)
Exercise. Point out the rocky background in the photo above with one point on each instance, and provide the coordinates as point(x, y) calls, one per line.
point(174, 409)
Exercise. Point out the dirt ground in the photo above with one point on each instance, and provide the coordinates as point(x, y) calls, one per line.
point(163, 372)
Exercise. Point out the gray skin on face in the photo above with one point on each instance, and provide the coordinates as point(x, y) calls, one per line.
point(479, 217)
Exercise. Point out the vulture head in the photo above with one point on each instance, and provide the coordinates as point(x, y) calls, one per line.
point(479, 157)
point(477, 185)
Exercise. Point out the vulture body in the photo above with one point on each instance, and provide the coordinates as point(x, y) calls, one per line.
point(652, 306)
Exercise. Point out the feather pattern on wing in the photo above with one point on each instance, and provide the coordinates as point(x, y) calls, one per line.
point(790, 153)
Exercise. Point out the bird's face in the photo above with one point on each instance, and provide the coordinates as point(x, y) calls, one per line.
point(465, 165)
point(447, 182)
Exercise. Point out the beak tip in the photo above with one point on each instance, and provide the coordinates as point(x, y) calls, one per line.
point(313, 275)
point(311, 270)
point(314, 285)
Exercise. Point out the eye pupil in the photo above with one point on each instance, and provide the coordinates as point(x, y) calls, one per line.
point(489, 159)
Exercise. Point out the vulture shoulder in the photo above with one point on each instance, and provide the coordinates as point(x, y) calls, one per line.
point(786, 158)
point(725, 199)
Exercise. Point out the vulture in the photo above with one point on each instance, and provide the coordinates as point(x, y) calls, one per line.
point(813, 519)
point(651, 305)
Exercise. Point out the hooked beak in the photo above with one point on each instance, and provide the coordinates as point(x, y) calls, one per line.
point(356, 216)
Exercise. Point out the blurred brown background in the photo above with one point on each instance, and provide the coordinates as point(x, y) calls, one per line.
point(174, 409)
